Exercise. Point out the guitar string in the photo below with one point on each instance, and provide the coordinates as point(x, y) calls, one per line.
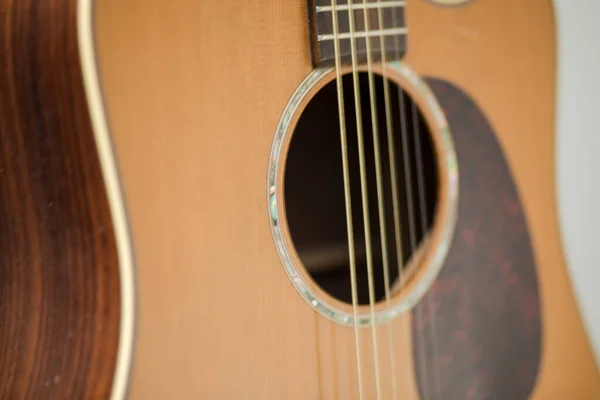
point(395, 208)
point(423, 215)
point(363, 188)
point(408, 185)
point(347, 197)
point(380, 205)
point(412, 233)
point(407, 180)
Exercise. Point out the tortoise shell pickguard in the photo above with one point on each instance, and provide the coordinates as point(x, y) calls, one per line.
point(477, 333)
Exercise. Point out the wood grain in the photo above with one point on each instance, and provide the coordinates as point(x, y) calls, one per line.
point(195, 91)
point(59, 280)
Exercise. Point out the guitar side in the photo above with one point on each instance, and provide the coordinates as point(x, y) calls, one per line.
point(66, 298)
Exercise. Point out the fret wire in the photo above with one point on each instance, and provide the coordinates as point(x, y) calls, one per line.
point(356, 7)
point(362, 34)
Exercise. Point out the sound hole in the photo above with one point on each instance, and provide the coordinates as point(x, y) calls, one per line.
point(314, 188)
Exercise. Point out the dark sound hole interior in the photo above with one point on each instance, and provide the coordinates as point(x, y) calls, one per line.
point(314, 188)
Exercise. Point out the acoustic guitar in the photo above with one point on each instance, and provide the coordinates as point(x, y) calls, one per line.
point(283, 200)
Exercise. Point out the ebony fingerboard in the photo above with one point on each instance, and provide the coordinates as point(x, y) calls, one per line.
point(385, 20)
point(59, 272)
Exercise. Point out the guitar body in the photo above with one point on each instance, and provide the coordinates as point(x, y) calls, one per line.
point(159, 150)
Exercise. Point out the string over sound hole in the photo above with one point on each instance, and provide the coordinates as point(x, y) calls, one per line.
point(314, 187)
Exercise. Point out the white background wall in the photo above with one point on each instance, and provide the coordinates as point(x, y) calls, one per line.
point(578, 151)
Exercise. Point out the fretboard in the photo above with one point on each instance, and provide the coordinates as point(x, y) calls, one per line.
point(392, 29)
